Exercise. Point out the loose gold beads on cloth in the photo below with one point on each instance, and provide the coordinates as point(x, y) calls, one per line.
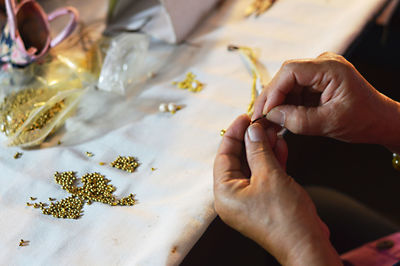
point(17, 155)
point(396, 161)
point(190, 83)
point(127, 163)
point(95, 187)
point(258, 7)
point(23, 243)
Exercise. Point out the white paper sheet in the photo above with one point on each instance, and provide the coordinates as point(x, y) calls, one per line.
point(175, 201)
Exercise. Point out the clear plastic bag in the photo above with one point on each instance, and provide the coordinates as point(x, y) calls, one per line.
point(123, 65)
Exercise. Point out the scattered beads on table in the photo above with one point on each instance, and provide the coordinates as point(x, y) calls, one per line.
point(190, 83)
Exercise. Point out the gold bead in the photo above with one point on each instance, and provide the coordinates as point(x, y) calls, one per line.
point(222, 132)
point(17, 155)
point(396, 161)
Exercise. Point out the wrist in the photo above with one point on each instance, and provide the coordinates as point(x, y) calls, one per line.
point(389, 130)
point(313, 250)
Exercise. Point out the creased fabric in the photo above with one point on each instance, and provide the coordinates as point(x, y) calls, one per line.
point(168, 20)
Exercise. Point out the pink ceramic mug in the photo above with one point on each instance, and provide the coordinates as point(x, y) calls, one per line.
point(26, 36)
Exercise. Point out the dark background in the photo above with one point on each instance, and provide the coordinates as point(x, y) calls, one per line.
point(361, 171)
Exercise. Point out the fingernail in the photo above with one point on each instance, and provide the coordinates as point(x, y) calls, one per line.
point(256, 133)
point(277, 116)
point(266, 107)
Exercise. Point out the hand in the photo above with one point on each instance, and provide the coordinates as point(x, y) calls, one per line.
point(326, 96)
point(254, 195)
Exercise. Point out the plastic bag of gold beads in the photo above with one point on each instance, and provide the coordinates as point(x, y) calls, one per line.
point(40, 102)
point(37, 100)
point(44, 119)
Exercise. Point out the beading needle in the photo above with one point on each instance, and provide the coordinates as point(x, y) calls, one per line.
point(255, 120)
point(283, 132)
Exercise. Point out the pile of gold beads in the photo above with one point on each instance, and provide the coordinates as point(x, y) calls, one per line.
point(95, 187)
point(222, 132)
point(396, 161)
point(190, 83)
point(70, 208)
point(127, 163)
point(66, 180)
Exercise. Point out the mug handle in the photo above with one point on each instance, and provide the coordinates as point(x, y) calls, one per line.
point(12, 21)
point(74, 16)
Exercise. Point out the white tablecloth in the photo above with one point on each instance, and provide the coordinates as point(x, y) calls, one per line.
point(175, 201)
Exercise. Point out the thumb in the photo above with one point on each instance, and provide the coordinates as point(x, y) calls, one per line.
point(299, 119)
point(260, 156)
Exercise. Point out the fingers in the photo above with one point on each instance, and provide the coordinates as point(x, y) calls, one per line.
point(278, 145)
point(293, 76)
point(260, 156)
point(272, 136)
point(230, 158)
point(281, 85)
point(332, 56)
point(232, 141)
point(228, 161)
point(281, 152)
point(259, 105)
point(300, 119)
